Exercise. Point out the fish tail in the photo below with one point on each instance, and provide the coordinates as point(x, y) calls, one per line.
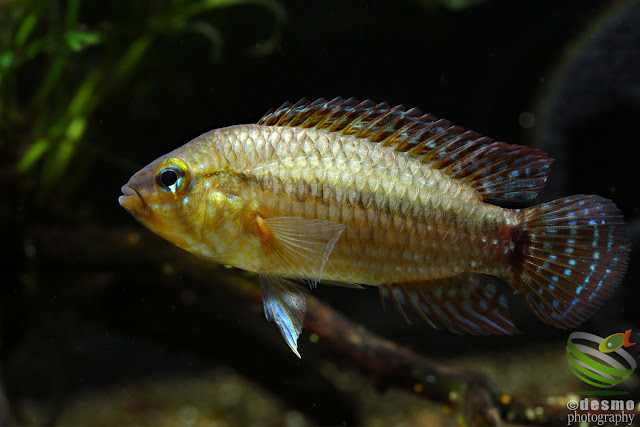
point(569, 257)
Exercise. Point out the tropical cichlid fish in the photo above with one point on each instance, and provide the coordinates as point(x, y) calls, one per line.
point(358, 193)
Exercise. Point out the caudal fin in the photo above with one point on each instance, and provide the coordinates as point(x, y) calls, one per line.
point(571, 255)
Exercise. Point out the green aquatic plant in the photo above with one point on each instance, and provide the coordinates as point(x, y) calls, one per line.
point(57, 66)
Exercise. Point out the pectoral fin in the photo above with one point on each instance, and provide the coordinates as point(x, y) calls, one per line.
point(285, 303)
point(302, 246)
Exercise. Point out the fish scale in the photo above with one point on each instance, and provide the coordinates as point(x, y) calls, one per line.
point(282, 176)
point(358, 193)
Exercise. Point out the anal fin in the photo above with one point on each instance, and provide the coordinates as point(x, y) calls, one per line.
point(468, 303)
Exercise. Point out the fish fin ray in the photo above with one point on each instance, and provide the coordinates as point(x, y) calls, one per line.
point(303, 246)
point(285, 304)
point(498, 171)
point(342, 284)
point(469, 303)
point(570, 256)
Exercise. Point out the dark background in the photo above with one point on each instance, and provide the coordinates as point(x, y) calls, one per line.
point(573, 65)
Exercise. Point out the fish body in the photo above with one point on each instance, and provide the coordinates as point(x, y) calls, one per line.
point(362, 194)
point(402, 221)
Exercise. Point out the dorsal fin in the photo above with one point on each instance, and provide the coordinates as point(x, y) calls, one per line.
point(499, 171)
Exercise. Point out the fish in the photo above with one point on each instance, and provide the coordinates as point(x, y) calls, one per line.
point(358, 193)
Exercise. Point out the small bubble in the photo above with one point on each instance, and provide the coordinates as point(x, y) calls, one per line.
point(168, 269)
point(29, 250)
point(188, 297)
point(527, 120)
point(188, 414)
point(132, 239)
point(530, 414)
point(294, 419)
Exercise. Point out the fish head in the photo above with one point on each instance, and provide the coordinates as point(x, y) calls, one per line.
point(188, 198)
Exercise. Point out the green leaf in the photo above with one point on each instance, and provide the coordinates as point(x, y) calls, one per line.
point(7, 59)
point(76, 128)
point(195, 8)
point(212, 34)
point(136, 50)
point(33, 49)
point(267, 46)
point(73, 6)
point(27, 25)
point(86, 93)
point(33, 154)
point(58, 65)
point(57, 162)
point(78, 40)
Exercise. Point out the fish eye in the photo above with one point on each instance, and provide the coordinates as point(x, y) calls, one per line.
point(168, 177)
point(172, 176)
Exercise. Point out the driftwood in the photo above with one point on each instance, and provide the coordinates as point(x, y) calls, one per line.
point(103, 257)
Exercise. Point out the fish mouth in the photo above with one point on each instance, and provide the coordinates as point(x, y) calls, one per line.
point(132, 201)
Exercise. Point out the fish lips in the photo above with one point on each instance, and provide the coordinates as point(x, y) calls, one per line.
point(132, 201)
